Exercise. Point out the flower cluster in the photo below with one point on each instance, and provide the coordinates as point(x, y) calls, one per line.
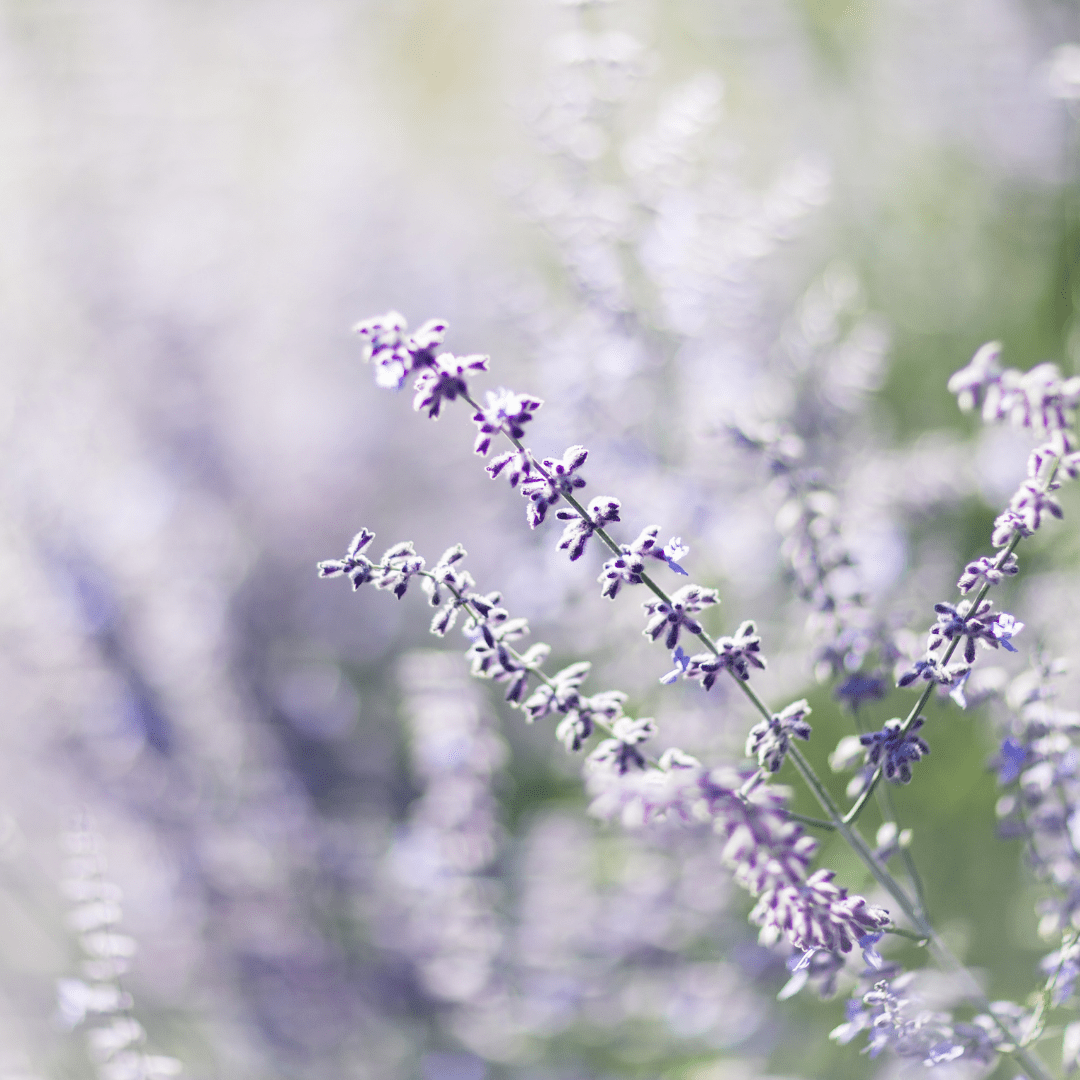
point(1041, 803)
point(768, 853)
point(769, 740)
point(602, 511)
point(894, 749)
point(1039, 399)
point(764, 845)
point(962, 621)
point(628, 567)
point(505, 412)
point(393, 351)
point(670, 617)
point(394, 570)
point(444, 380)
point(891, 1018)
point(735, 654)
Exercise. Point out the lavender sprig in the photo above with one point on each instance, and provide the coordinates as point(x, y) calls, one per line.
point(543, 482)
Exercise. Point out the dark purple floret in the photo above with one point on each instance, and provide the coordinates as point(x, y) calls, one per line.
point(444, 380)
point(933, 670)
point(516, 464)
point(895, 749)
point(543, 491)
point(670, 618)
point(769, 740)
point(505, 411)
point(985, 569)
point(736, 654)
point(1010, 761)
point(355, 565)
point(860, 687)
point(602, 510)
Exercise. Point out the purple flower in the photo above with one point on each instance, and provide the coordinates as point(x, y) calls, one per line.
point(816, 914)
point(621, 754)
point(447, 574)
point(769, 740)
point(355, 565)
point(933, 670)
point(972, 383)
point(681, 662)
point(674, 550)
point(628, 567)
point(870, 954)
point(861, 686)
point(1010, 761)
point(736, 654)
point(543, 491)
point(444, 380)
point(671, 617)
point(397, 568)
point(578, 532)
point(394, 354)
point(505, 411)
point(895, 750)
point(985, 569)
point(579, 722)
point(559, 694)
point(516, 463)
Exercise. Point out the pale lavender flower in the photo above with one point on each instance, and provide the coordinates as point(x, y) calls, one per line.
point(671, 618)
point(516, 463)
point(398, 566)
point(602, 510)
point(972, 383)
point(443, 380)
point(1030, 504)
point(931, 669)
point(505, 411)
point(769, 740)
point(447, 574)
point(628, 567)
point(394, 353)
point(543, 491)
point(895, 750)
point(559, 694)
point(1062, 967)
point(984, 569)
point(888, 1015)
point(736, 654)
point(357, 566)
point(681, 661)
point(960, 621)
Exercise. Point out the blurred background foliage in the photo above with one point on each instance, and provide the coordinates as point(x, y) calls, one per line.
point(196, 202)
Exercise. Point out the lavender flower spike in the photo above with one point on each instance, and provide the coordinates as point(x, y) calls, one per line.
point(627, 568)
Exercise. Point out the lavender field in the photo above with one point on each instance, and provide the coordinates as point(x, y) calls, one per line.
point(769, 767)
